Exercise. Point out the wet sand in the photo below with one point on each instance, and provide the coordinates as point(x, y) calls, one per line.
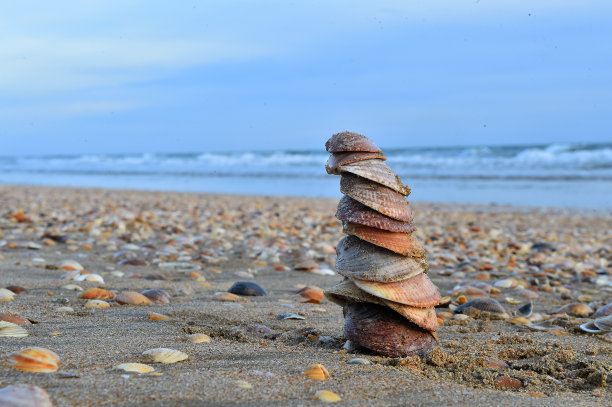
point(194, 245)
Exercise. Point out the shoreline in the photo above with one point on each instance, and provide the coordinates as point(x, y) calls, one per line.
point(227, 238)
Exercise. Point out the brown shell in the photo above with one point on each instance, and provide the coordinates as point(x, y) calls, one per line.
point(400, 243)
point(365, 261)
point(350, 210)
point(14, 318)
point(483, 307)
point(157, 296)
point(347, 292)
point(338, 159)
point(426, 318)
point(96, 294)
point(417, 291)
point(132, 298)
point(603, 311)
point(376, 196)
point(377, 171)
point(384, 331)
point(348, 141)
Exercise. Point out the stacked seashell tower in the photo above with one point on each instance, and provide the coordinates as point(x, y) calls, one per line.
point(387, 297)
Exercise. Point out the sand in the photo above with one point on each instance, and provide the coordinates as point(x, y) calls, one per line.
point(226, 239)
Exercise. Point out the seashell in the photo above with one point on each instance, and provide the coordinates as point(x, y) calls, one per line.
point(157, 296)
point(350, 210)
point(376, 171)
point(70, 275)
point(165, 355)
point(10, 329)
point(289, 315)
point(24, 395)
point(247, 288)
point(603, 311)
point(604, 323)
point(525, 310)
point(96, 294)
point(90, 277)
point(398, 242)
point(384, 331)
point(376, 196)
point(136, 367)
point(132, 298)
point(6, 295)
point(358, 361)
point(316, 372)
point(347, 292)
point(154, 316)
point(327, 396)
point(16, 289)
point(225, 296)
point(365, 261)
point(66, 309)
point(426, 318)
point(34, 360)
point(70, 265)
point(349, 141)
point(312, 294)
point(519, 321)
point(338, 159)
point(417, 291)
point(199, 338)
point(72, 287)
point(97, 304)
point(14, 318)
point(576, 309)
point(485, 307)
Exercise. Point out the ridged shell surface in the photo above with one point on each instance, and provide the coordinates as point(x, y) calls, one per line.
point(348, 141)
point(12, 330)
point(417, 291)
point(426, 318)
point(338, 159)
point(24, 395)
point(483, 307)
point(377, 171)
point(384, 331)
point(165, 355)
point(34, 360)
point(603, 311)
point(347, 292)
point(350, 210)
point(376, 196)
point(359, 259)
point(398, 242)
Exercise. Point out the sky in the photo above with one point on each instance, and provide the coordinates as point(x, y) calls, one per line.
point(158, 76)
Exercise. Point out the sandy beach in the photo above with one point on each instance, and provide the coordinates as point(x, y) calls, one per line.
point(196, 245)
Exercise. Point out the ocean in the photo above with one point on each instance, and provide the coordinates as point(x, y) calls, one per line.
point(555, 175)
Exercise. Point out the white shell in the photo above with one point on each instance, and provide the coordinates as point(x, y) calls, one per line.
point(10, 329)
point(165, 355)
point(24, 395)
point(89, 277)
point(71, 264)
point(6, 295)
point(72, 287)
point(136, 367)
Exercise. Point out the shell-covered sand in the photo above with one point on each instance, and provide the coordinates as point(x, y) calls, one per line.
point(194, 246)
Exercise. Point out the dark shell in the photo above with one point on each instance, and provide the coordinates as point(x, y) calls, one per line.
point(398, 242)
point(376, 171)
point(348, 141)
point(133, 262)
point(384, 331)
point(525, 310)
point(350, 210)
point(376, 196)
point(16, 289)
point(338, 159)
point(603, 311)
point(247, 288)
point(483, 307)
point(365, 261)
point(157, 296)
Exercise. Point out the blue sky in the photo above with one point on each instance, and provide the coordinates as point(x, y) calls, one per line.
point(134, 76)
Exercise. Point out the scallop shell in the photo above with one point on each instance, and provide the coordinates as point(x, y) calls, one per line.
point(376, 196)
point(347, 292)
point(12, 330)
point(165, 355)
point(24, 395)
point(338, 159)
point(132, 298)
point(377, 171)
point(136, 367)
point(426, 318)
point(365, 261)
point(483, 307)
point(70, 265)
point(14, 318)
point(417, 291)
point(400, 243)
point(316, 372)
point(384, 331)
point(348, 141)
point(603, 311)
point(34, 360)
point(350, 210)
point(96, 294)
point(97, 304)
point(157, 296)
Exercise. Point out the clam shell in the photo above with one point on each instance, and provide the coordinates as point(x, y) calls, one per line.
point(576, 309)
point(96, 294)
point(14, 318)
point(591, 328)
point(376, 196)
point(377, 171)
point(6, 295)
point(525, 310)
point(12, 330)
point(316, 372)
point(603, 311)
point(348, 141)
point(24, 395)
point(199, 338)
point(365, 261)
point(165, 355)
point(34, 360)
point(483, 307)
point(327, 396)
point(224, 296)
point(154, 316)
point(70, 265)
point(313, 295)
point(338, 159)
point(97, 304)
point(347, 292)
point(400, 243)
point(384, 331)
point(350, 210)
point(417, 291)
point(157, 296)
point(136, 367)
point(132, 298)
point(89, 277)
point(426, 318)
point(247, 288)
point(604, 323)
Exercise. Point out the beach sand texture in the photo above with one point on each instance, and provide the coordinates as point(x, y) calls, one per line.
point(194, 246)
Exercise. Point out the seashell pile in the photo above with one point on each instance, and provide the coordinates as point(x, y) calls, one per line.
point(386, 296)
